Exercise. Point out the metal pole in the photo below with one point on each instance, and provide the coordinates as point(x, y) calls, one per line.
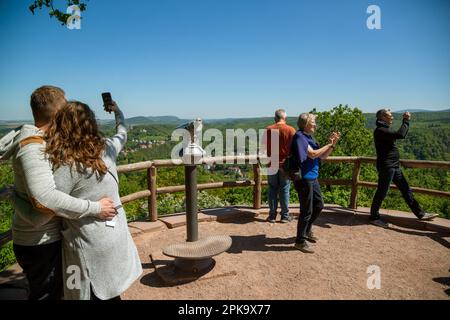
point(190, 174)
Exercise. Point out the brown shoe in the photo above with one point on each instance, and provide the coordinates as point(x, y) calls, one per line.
point(304, 247)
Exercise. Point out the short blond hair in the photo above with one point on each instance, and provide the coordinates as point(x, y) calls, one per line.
point(304, 119)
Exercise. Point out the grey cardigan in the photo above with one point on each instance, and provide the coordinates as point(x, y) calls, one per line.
point(94, 254)
point(38, 206)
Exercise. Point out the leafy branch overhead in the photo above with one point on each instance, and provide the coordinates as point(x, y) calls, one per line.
point(60, 15)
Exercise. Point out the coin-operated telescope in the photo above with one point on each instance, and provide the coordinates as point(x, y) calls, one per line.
point(195, 254)
point(192, 152)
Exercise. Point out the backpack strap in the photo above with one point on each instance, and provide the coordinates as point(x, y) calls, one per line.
point(114, 177)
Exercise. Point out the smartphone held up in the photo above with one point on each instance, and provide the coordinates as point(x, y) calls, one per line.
point(107, 101)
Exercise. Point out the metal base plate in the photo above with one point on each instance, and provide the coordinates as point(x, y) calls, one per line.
point(193, 266)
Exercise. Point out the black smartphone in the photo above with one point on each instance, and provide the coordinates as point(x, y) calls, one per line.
point(107, 101)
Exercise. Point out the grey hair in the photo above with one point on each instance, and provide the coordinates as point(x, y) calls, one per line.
point(304, 119)
point(382, 112)
point(280, 114)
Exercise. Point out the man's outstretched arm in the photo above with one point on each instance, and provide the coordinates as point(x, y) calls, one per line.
point(399, 134)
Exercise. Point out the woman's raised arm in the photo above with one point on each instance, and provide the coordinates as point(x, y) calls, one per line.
point(118, 141)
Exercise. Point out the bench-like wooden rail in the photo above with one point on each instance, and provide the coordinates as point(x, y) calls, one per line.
point(153, 190)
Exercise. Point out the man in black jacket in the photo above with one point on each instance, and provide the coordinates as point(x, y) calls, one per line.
point(388, 166)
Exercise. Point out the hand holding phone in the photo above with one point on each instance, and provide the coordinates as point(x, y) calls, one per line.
point(334, 137)
point(407, 116)
point(107, 101)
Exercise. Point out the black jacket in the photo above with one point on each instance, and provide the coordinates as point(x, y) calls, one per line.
point(388, 155)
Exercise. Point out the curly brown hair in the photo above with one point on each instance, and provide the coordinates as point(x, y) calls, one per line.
point(73, 139)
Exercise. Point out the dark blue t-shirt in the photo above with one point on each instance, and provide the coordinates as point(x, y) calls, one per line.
point(300, 143)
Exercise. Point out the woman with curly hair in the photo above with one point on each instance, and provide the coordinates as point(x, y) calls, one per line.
point(100, 259)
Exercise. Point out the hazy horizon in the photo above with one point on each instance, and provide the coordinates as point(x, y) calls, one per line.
point(110, 117)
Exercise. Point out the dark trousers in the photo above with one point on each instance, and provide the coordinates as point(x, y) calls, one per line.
point(42, 266)
point(311, 205)
point(385, 177)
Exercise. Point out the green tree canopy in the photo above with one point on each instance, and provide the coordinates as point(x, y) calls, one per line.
point(356, 139)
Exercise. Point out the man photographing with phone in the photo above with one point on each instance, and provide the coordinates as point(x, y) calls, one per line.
point(388, 166)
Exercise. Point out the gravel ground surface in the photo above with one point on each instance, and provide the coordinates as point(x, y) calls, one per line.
point(262, 263)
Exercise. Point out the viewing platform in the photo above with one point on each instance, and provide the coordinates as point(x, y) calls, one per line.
point(413, 256)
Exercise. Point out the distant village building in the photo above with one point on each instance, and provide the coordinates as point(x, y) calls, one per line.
point(145, 144)
point(235, 170)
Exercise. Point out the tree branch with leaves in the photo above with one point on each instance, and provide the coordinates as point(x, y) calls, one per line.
point(60, 15)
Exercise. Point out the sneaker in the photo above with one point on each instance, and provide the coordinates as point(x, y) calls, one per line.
point(429, 216)
point(271, 220)
point(304, 247)
point(311, 237)
point(286, 220)
point(380, 223)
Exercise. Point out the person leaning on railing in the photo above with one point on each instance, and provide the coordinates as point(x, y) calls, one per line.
point(308, 154)
point(388, 166)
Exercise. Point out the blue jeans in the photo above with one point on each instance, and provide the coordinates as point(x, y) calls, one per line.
point(385, 177)
point(278, 184)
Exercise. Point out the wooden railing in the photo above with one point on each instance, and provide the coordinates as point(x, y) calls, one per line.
point(257, 182)
point(153, 190)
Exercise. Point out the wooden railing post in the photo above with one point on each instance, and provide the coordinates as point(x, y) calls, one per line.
point(257, 186)
point(355, 180)
point(152, 203)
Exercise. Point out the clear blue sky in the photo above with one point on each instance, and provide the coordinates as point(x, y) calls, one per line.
point(229, 58)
